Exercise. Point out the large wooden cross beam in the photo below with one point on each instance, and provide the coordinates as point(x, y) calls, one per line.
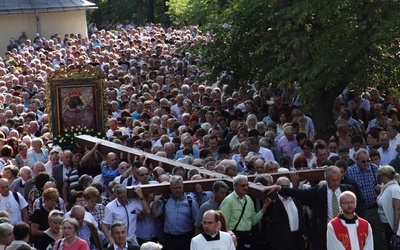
point(163, 188)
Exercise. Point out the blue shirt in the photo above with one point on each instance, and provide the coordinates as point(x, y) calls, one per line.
point(146, 228)
point(196, 153)
point(109, 175)
point(85, 234)
point(367, 180)
point(179, 215)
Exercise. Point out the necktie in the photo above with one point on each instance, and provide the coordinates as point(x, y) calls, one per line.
point(335, 205)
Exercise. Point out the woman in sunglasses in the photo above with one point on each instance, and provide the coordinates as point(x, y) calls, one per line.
point(53, 233)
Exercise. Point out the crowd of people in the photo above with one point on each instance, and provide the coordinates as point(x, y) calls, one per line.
point(158, 101)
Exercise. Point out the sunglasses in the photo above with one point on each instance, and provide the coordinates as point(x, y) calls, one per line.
point(58, 214)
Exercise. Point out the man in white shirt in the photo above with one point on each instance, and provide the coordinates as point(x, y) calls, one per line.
point(124, 210)
point(286, 218)
point(386, 152)
point(212, 238)
point(348, 231)
point(13, 203)
point(255, 149)
point(394, 134)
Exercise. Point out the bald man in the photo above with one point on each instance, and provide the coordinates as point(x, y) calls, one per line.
point(110, 171)
point(212, 238)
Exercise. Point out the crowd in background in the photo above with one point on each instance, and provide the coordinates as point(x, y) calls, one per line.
point(158, 101)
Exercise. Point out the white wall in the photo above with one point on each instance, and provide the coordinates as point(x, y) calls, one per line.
point(50, 23)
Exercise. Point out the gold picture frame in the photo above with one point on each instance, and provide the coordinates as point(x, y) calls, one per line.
point(76, 99)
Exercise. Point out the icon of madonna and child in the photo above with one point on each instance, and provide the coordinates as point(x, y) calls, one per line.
point(77, 105)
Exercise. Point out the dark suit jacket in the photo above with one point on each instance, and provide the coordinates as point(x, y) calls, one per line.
point(315, 198)
point(130, 247)
point(58, 177)
point(395, 163)
point(280, 233)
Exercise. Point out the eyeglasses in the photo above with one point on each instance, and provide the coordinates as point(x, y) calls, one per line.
point(54, 153)
point(67, 228)
point(144, 174)
point(348, 203)
point(365, 161)
point(244, 185)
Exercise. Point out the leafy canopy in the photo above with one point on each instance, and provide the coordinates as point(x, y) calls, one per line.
point(322, 46)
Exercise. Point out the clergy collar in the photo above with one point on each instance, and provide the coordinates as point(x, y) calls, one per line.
point(348, 221)
point(211, 237)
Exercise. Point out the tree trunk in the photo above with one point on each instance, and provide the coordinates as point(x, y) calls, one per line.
point(322, 114)
point(140, 12)
point(150, 11)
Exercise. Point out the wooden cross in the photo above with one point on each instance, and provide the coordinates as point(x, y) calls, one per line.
point(189, 186)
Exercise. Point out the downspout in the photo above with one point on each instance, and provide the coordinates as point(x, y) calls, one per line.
point(37, 23)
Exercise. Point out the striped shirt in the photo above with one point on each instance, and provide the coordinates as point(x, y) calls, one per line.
point(232, 207)
point(72, 177)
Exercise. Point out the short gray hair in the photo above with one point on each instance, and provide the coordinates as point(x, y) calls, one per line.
point(151, 246)
point(119, 189)
point(4, 228)
point(176, 179)
point(361, 152)
point(239, 178)
point(331, 170)
point(25, 169)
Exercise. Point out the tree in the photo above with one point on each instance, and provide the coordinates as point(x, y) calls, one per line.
point(321, 46)
point(198, 12)
point(140, 11)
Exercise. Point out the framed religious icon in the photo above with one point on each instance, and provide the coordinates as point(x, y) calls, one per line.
point(76, 103)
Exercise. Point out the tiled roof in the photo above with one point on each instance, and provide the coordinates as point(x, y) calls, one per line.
point(40, 6)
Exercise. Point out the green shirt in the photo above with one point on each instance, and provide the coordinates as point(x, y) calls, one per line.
point(232, 207)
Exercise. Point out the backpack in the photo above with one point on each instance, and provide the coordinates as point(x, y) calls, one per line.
point(16, 197)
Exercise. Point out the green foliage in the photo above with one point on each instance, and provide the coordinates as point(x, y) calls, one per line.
point(323, 46)
point(197, 12)
point(121, 10)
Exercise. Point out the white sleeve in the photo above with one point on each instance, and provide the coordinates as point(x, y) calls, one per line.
point(369, 243)
point(192, 245)
point(22, 201)
point(89, 217)
point(332, 242)
point(107, 219)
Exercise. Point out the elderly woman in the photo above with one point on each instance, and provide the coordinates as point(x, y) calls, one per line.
point(240, 158)
point(389, 201)
point(39, 221)
point(37, 153)
point(251, 121)
point(93, 204)
point(6, 234)
point(21, 159)
point(54, 160)
point(53, 233)
point(70, 241)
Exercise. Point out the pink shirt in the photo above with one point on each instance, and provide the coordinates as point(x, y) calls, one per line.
point(79, 244)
